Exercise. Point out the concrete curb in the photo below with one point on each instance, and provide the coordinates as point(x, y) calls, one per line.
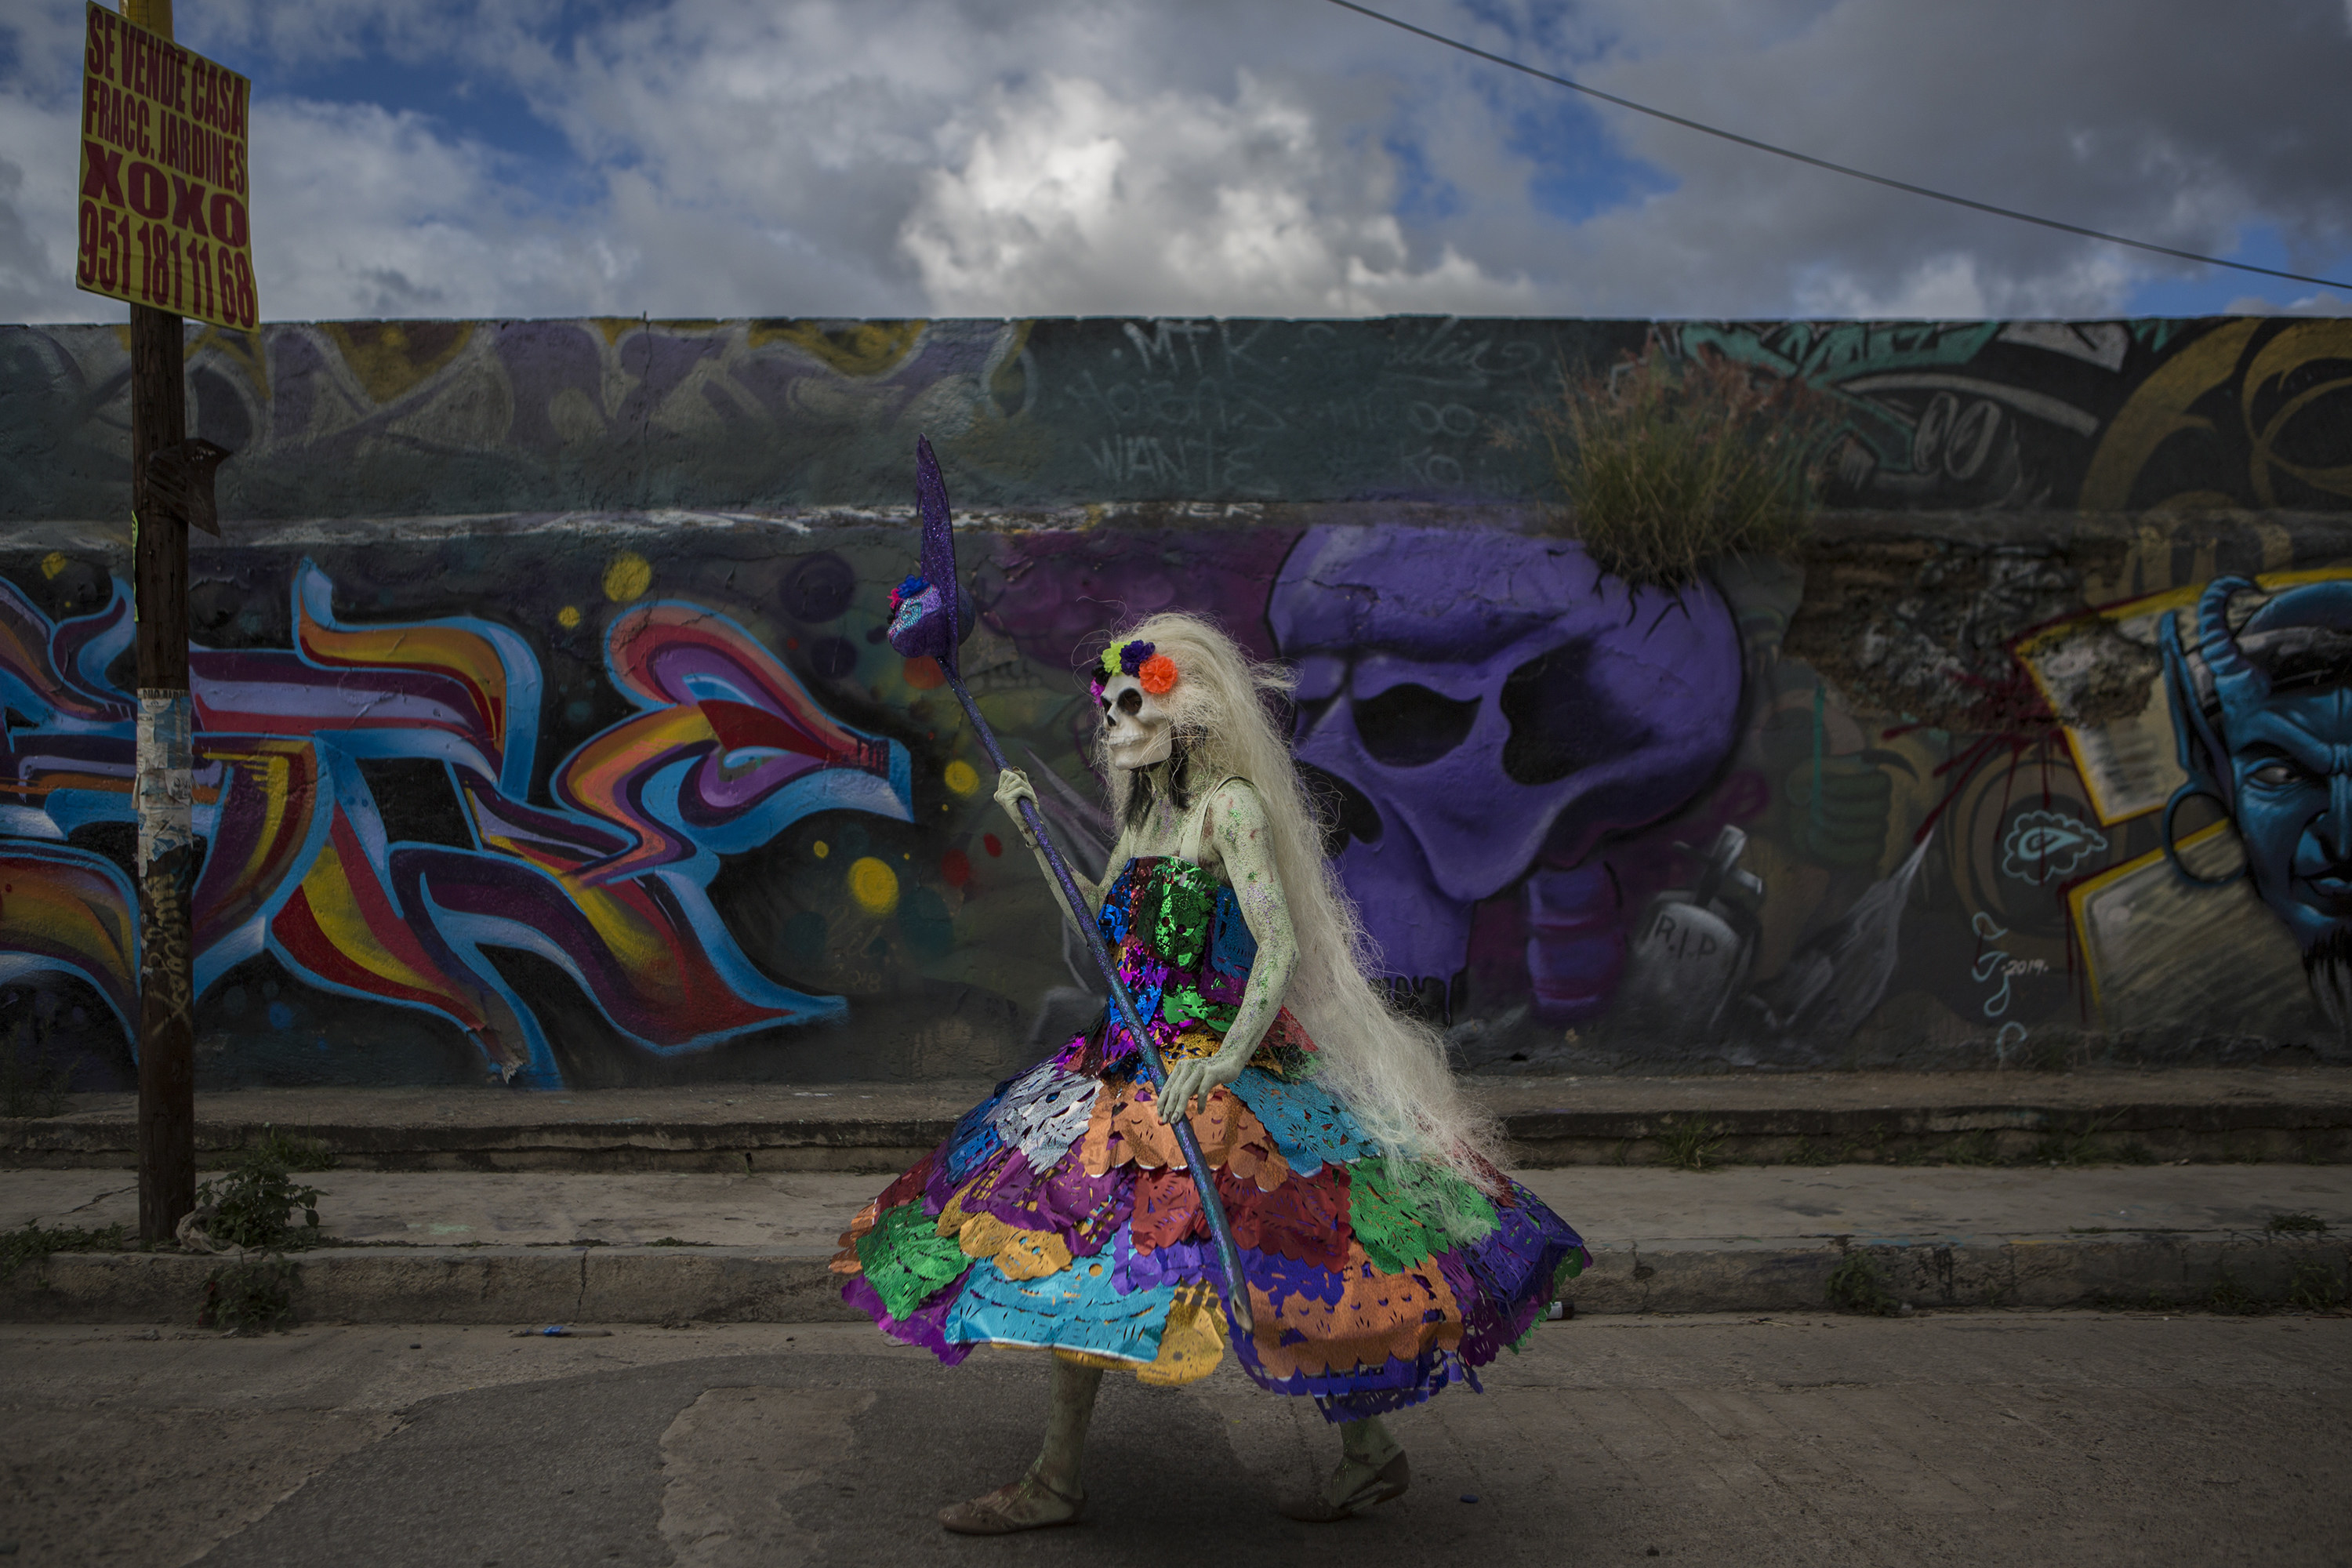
point(511, 1285)
point(879, 1145)
point(2014, 1271)
point(2318, 1132)
point(525, 1286)
point(1987, 1134)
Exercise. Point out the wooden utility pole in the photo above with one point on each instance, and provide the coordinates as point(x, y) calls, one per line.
point(167, 848)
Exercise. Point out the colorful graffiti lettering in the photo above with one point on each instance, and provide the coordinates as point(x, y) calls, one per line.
point(1976, 786)
point(2104, 415)
point(1585, 825)
point(726, 749)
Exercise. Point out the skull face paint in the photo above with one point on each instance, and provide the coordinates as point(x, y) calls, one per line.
point(1137, 729)
point(1477, 705)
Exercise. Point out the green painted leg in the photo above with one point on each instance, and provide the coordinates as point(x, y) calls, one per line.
point(1074, 1388)
point(1049, 1494)
point(1372, 1469)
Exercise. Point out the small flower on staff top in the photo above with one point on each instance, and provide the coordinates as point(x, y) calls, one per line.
point(912, 588)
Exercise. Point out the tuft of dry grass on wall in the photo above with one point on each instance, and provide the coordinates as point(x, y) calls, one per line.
point(1671, 463)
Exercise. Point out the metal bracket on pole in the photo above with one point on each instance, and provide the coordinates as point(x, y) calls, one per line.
point(180, 483)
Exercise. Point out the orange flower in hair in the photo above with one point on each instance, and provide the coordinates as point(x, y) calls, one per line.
point(1158, 675)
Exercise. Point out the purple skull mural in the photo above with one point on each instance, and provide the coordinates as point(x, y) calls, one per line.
point(1477, 701)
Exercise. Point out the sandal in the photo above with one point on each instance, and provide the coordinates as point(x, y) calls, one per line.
point(999, 1513)
point(1386, 1484)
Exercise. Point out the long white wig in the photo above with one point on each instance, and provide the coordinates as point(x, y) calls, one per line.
point(1388, 1069)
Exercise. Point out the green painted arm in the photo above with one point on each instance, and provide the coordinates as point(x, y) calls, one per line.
point(1012, 787)
point(1236, 822)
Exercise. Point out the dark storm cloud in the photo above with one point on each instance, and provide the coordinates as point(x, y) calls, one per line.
point(906, 156)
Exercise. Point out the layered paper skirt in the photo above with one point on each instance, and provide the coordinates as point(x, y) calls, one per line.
point(1060, 1214)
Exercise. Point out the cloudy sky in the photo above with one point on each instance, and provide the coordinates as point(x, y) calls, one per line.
point(1012, 157)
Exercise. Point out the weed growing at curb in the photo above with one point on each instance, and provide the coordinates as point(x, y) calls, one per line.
point(2295, 1225)
point(2230, 1298)
point(2080, 1147)
point(1690, 1144)
point(2316, 1289)
point(251, 1296)
point(250, 1209)
point(2155, 1301)
point(1855, 1285)
point(1979, 1148)
point(250, 1204)
point(32, 1243)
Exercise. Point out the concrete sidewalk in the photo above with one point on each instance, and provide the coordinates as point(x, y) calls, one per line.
point(2228, 1114)
point(472, 1247)
point(2029, 1440)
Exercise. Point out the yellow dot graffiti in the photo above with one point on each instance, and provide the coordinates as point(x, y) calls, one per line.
point(820, 850)
point(962, 777)
point(874, 885)
point(568, 617)
point(627, 576)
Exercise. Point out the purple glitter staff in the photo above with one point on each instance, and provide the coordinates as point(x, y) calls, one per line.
point(932, 616)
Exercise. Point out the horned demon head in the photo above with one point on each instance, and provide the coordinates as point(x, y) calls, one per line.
point(2261, 705)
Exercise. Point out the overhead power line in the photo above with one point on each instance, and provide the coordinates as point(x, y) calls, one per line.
point(1510, 64)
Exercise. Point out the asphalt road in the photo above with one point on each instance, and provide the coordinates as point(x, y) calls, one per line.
point(2063, 1438)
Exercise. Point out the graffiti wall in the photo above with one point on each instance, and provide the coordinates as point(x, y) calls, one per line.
point(562, 797)
point(384, 419)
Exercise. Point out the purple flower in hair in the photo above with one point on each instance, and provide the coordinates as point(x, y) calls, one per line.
point(1125, 659)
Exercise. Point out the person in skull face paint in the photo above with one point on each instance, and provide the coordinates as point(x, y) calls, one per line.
point(1386, 1252)
point(2262, 710)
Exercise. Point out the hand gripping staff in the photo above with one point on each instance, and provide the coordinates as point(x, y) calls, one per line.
point(934, 617)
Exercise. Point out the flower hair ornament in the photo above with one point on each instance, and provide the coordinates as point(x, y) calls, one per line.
point(912, 600)
point(1153, 670)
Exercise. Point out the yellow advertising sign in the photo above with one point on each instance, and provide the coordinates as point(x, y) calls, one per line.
point(163, 181)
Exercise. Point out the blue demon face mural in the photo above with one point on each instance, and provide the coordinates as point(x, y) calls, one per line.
point(2262, 706)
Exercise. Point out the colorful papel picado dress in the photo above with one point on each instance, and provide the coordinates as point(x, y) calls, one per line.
point(1059, 1213)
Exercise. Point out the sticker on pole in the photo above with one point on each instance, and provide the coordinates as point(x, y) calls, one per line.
point(163, 218)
